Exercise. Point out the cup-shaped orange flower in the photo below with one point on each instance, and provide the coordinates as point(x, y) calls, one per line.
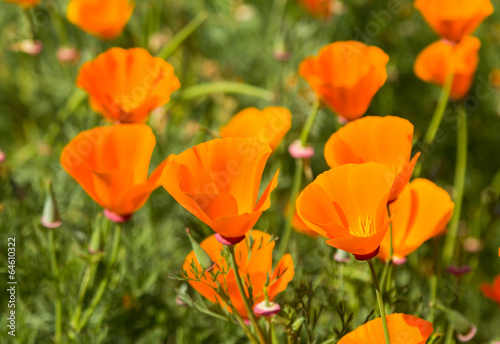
point(218, 182)
point(126, 85)
point(347, 204)
point(103, 19)
point(319, 8)
point(254, 260)
point(403, 328)
point(454, 19)
point(346, 76)
point(440, 59)
point(385, 140)
point(421, 212)
point(492, 291)
point(269, 125)
point(111, 164)
point(25, 3)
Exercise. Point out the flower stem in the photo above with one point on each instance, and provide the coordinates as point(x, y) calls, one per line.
point(57, 302)
point(248, 307)
point(104, 282)
point(380, 301)
point(436, 120)
point(182, 35)
point(201, 90)
point(297, 179)
point(460, 171)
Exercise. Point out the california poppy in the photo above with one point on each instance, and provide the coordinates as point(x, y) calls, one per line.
point(347, 204)
point(25, 3)
point(386, 140)
point(492, 291)
point(103, 19)
point(269, 125)
point(111, 164)
point(454, 19)
point(421, 212)
point(126, 85)
point(319, 8)
point(218, 182)
point(254, 260)
point(436, 62)
point(346, 76)
point(403, 328)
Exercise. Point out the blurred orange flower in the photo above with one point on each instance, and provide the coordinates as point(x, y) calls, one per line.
point(25, 3)
point(385, 140)
point(103, 19)
point(414, 331)
point(421, 212)
point(254, 260)
point(454, 19)
point(346, 76)
point(492, 291)
point(436, 62)
point(111, 164)
point(347, 205)
point(319, 8)
point(126, 85)
point(218, 182)
point(269, 125)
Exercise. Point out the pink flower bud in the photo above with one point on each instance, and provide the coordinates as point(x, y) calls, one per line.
point(28, 46)
point(266, 311)
point(298, 151)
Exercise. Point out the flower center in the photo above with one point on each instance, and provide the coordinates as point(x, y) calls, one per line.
point(365, 228)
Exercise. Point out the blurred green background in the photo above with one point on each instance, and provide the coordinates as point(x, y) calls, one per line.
point(41, 110)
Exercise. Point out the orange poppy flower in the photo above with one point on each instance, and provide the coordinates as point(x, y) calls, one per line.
point(103, 19)
point(218, 182)
point(111, 164)
point(346, 76)
point(25, 3)
point(269, 125)
point(319, 8)
point(126, 85)
point(492, 291)
point(436, 62)
point(403, 328)
point(385, 140)
point(254, 260)
point(347, 205)
point(421, 212)
point(454, 19)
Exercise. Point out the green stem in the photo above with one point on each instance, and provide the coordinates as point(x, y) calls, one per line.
point(242, 324)
point(460, 171)
point(297, 179)
point(380, 301)
point(182, 35)
point(201, 90)
point(433, 287)
point(104, 282)
point(436, 120)
point(248, 307)
point(449, 335)
point(57, 302)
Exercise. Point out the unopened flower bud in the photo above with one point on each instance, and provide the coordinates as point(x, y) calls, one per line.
point(267, 311)
point(203, 258)
point(50, 217)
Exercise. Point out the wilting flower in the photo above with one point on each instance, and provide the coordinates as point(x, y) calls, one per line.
point(103, 19)
point(111, 164)
point(319, 8)
point(218, 182)
point(126, 85)
point(254, 260)
point(403, 328)
point(269, 125)
point(492, 291)
point(454, 19)
point(346, 76)
point(421, 212)
point(25, 3)
point(347, 205)
point(436, 62)
point(385, 140)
